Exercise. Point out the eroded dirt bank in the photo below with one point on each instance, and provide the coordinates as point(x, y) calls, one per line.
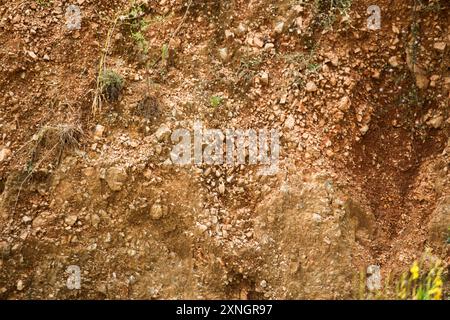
point(365, 151)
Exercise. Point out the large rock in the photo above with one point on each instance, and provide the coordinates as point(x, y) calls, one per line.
point(42, 219)
point(311, 87)
point(436, 122)
point(156, 211)
point(344, 103)
point(440, 222)
point(307, 233)
point(4, 154)
point(422, 81)
point(374, 278)
point(116, 177)
point(163, 133)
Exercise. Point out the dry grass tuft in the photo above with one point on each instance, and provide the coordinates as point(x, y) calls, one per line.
point(47, 147)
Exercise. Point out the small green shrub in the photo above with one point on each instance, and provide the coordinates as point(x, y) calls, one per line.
point(165, 52)
point(44, 3)
point(215, 101)
point(140, 41)
point(137, 26)
point(327, 11)
point(111, 83)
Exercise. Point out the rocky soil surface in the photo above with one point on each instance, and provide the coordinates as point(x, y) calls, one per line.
point(363, 117)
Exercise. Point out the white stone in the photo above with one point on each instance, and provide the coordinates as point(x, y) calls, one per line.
point(20, 286)
point(364, 129)
point(163, 132)
point(4, 154)
point(316, 217)
point(374, 278)
point(344, 104)
point(229, 34)
point(241, 29)
point(70, 220)
point(156, 211)
point(95, 220)
point(258, 42)
point(436, 122)
point(393, 61)
point(32, 54)
point(279, 27)
point(440, 46)
point(290, 122)
point(98, 133)
point(311, 86)
point(223, 53)
point(265, 78)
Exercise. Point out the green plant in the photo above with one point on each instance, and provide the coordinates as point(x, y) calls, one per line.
point(326, 20)
point(298, 83)
point(165, 52)
point(215, 101)
point(328, 9)
point(343, 6)
point(140, 41)
point(312, 67)
point(295, 58)
point(250, 62)
point(423, 281)
point(431, 6)
point(111, 83)
point(97, 100)
point(411, 97)
point(159, 18)
point(303, 60)
point(334, 5)
point(44, 3)
point(248, 68)
point(137, 26)
point(415, 45)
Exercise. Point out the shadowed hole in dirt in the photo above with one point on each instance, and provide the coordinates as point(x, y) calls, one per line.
point(242, 288)
point(2, 185)
point(149, 108)
point(388, 157)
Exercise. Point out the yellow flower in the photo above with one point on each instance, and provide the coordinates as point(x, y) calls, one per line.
point(415, 271)
point(436, 293)
point(438, 282)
